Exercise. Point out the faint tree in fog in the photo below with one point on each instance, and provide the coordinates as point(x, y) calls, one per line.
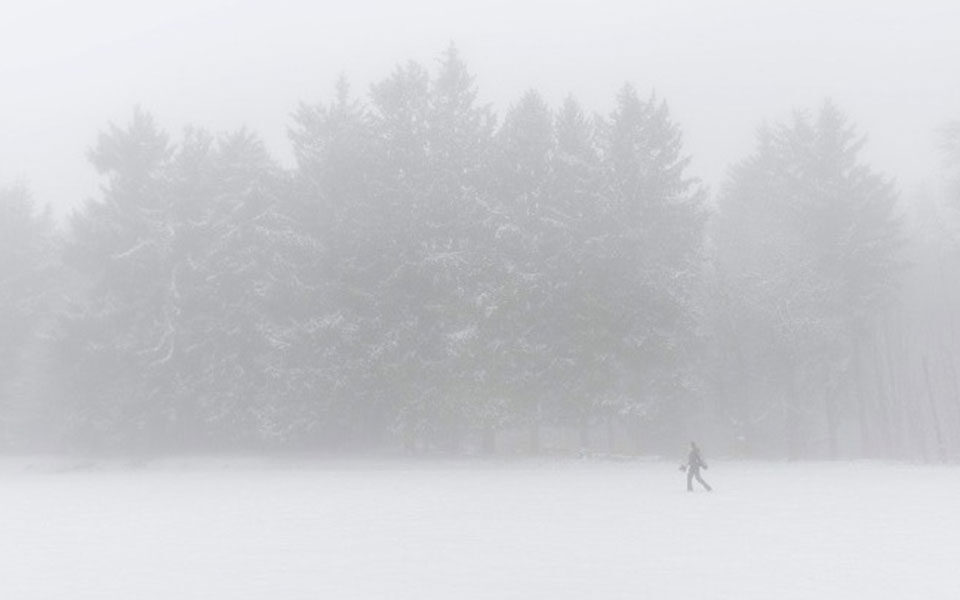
point(421, 277)
point(921, 340)
point(240, 296)
point(573, 227)
point(393, 189)
point(452, 262)
point(478, 281)
point(950, 143)
point(28, 272)
point(337, 199)
point(648, 262)
point(188, 265)
point(808, 243)
point(521, 319)
point(118, 324)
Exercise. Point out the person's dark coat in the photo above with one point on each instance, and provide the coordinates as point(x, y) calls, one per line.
point(694, 462)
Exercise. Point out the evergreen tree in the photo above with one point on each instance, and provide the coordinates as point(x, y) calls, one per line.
point(522, 319)
point(190, 269)
point(117, 330)
point(241, 298)
point(28, 271)
point(448, 251)
point(573, 233)
point(338, 182)
point(950, 144)
point(649, 261)
point(808, 246)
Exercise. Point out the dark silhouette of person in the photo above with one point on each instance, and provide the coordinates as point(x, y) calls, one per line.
point(694, 462)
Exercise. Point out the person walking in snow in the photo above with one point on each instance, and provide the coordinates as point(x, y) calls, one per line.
point(694, 462)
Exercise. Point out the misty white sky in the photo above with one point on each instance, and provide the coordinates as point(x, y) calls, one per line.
point(68, 68)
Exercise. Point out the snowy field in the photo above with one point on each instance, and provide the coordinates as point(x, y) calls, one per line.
point(235, 529)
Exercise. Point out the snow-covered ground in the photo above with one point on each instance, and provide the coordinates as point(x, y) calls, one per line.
point(237, 529)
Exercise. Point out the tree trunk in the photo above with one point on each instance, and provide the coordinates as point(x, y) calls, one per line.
point(830, 411)
point(883, 403)
point(898, 382)
point(792, 417)
point(488, 441)
point(954, 386)
point(638, 438)
point(863, 420)
point(938, 434)
point(584, 432)
point(611, 435)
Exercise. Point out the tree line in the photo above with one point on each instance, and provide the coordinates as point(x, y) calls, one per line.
point(431, 276)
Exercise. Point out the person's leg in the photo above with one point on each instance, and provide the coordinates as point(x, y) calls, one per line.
point(702, 482)
point(691, 473)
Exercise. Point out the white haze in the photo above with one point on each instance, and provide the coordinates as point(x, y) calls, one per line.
point(69, 68)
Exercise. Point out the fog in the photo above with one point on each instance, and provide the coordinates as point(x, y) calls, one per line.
point(481, 229)
point(68, 69)
point(486, 300)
